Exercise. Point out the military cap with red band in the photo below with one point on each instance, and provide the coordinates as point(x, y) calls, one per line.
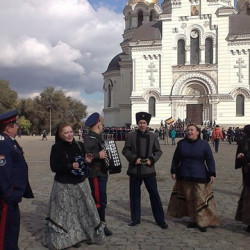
point(8, 117)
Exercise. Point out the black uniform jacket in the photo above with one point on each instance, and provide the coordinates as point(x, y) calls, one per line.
point(141, 145)
point(244, 163)
point(14, 183)
point(94, 143)
point(62, 158)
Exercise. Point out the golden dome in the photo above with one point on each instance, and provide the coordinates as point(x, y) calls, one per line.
point(132, 2)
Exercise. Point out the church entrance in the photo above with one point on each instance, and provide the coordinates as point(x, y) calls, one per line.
point(194, 113)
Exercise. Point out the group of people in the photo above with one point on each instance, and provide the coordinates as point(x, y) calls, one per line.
point(79, 194)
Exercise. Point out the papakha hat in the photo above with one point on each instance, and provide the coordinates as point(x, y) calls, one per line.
point(143, 116)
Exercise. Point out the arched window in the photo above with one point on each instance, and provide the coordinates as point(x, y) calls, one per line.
point(209, 50)
point(151, 106)
point(109, 95)
point(240, 105)
point(152, 16)
point(129, 20)
point(195, 48)
point(181, 52)
point(140, 18)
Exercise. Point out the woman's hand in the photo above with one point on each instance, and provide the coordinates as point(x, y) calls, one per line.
point(212, 179)
point(76, 165)
point(89, 157)
point(174, 176)
point(240, 155)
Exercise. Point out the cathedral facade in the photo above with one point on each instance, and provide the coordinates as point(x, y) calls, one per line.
point(186, 59)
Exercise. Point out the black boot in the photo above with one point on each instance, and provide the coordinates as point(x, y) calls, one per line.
point(202, 229)
point(107, 231)
point(191, 225)
point(247, 229)
point(101, 212)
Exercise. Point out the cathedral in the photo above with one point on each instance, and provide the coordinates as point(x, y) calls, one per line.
point(185, 59)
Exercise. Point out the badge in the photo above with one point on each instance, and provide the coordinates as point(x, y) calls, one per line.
point(2, 160)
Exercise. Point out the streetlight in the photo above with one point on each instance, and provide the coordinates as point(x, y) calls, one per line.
point(50, 121)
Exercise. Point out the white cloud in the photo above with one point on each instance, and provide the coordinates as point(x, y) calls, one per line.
point(60, 43)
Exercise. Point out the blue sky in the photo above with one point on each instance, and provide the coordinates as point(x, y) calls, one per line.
point(116, 5)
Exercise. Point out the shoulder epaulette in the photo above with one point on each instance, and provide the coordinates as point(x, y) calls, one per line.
point(2, 138)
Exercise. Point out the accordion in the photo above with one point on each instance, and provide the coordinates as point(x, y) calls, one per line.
point(112, 162)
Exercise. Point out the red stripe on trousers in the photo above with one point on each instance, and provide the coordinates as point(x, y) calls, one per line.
point(3, 223)
point(97, 193)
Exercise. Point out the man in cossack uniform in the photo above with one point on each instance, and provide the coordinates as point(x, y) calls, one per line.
point(14, 182)
point(98, 173)
point(142, 150)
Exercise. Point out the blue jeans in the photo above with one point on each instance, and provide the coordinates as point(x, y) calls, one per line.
point(173, 141)
point(216, 145)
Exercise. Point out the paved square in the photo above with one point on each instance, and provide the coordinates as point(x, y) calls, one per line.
point(147, 235)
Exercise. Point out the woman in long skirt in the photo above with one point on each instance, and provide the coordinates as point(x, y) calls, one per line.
point(72, 216)
point(193, 169)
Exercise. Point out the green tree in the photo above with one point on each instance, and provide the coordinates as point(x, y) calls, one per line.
point(24, 125)
point(52, 106)
point(8, 98)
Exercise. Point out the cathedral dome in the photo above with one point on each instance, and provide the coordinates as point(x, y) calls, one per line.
point(114, 64)
point(132, 2)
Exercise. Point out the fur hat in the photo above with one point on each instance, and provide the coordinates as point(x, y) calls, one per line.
point(143, 116)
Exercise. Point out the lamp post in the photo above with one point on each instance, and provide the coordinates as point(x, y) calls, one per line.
point(50, 121)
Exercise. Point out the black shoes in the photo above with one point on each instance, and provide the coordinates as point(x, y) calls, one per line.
point(202, 229)
point(133, 223)
point(194, 225)
point(163, 225)
point(191, 225)
point(247, 229)
point(107, 232)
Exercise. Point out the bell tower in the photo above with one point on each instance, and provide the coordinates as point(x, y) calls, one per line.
point(137, 13)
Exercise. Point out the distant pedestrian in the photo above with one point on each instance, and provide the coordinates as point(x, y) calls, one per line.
point(173, 135)
point(166, 134)
point(217, 136)
point(80, 134)
point(204, 134)
point(230, 134)
point(44, 135)
point(19, 133)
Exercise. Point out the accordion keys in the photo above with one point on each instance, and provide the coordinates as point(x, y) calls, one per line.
point(113, 162)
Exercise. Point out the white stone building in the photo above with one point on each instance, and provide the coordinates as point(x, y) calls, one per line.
point(186, 59)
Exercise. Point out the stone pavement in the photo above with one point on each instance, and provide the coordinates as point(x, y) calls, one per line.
point(147, 235)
